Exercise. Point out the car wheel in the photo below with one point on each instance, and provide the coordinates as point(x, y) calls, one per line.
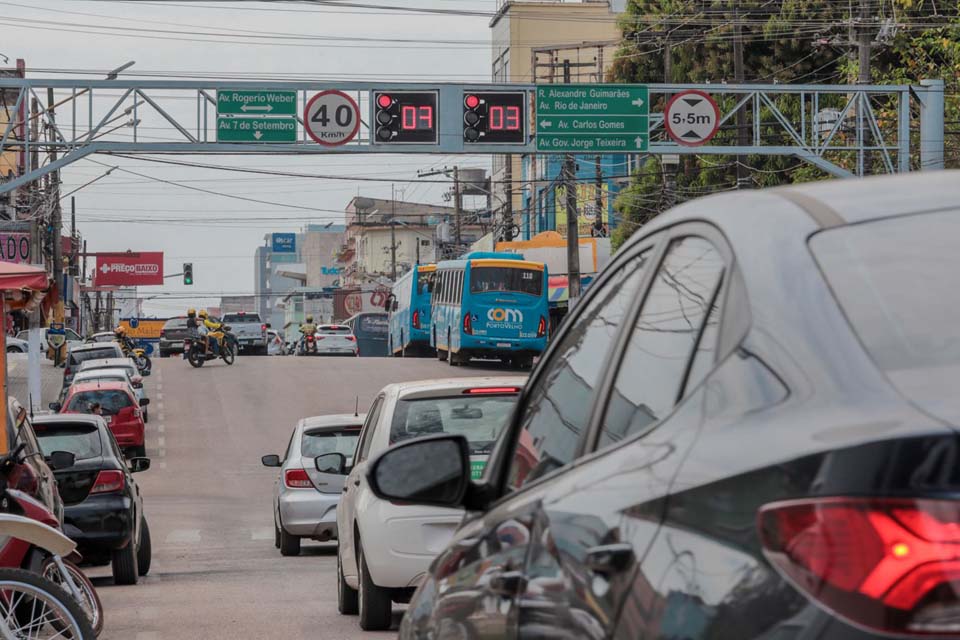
point(374, 604)
point(13, 350)
point(145, 551)
point(146, 416)
point(276, 535)
point(139, 451)
point(289, 544)
point(346, 595)
point(125, 565)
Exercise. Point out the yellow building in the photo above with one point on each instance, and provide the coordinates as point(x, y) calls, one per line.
point(531, 39)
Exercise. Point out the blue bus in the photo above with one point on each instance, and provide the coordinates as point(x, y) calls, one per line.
point(409, 307)
point(490, 305)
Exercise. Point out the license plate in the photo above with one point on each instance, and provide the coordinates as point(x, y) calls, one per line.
point(504, 344)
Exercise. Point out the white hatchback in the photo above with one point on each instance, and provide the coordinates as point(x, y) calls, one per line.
point(384, 549)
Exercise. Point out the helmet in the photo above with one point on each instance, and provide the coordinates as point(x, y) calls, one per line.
point(191, 312)
point(120, 330)
point(203, 313)
point(309, 318)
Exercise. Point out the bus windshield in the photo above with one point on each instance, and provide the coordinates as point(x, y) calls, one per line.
point(513, 279)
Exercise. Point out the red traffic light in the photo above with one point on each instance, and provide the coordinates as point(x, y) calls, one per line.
point(472, 102)
point(384, 101)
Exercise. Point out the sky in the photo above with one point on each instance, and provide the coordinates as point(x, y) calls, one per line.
point(132, 209)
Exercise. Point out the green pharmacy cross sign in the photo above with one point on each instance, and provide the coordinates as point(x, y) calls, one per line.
point(593, 118)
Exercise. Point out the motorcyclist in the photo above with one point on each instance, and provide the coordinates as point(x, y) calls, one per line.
point(308, 328)
point(192, 324)
point(214, 331)
point(120, 333)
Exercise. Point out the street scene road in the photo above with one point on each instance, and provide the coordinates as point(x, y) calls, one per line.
point(216, 572)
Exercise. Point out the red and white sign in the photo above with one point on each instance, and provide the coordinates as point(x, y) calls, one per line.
point(129, 269)
point(15, 247)
point(332, 118)
point(692, 117)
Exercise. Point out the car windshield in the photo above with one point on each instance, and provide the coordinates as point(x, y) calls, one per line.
point(175, 323)
point(333, 330)
point(375, 323)
point(506, 279)
point(479, 418)
point(317, 444)
point(99, 378)
point(241, 317)
point(896, 280)
point(110, 401)
point(92, 354)
point(82, 440)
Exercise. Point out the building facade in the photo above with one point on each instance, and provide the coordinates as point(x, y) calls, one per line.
point(271, 261)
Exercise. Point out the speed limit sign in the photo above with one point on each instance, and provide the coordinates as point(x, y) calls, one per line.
point(332, 118)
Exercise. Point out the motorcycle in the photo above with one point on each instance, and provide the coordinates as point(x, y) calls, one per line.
point(138, 355)
point(196, 353)
point(307, 345)
point(41, 586)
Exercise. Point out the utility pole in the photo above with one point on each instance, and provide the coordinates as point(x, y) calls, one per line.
point(739, 77)
point(573, 230)
point(669, 168)
point(508, 205)
point(57, 225)
point(864, 42)
point(393, 233)
point(457, 207)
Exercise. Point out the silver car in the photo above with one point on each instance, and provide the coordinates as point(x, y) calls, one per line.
point(305, 500)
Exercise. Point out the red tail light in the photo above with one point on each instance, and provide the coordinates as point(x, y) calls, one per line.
point(263, 328)
point(351, 338)
point(309, 338)
point(416, 319)
point(488, 390)
point(467, 324)
point(108, 482)
point(542, 327)
point(891, 565)
point(297, 479)
point(163, 333)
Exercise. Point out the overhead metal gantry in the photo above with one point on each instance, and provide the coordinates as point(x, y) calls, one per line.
point(845, 130)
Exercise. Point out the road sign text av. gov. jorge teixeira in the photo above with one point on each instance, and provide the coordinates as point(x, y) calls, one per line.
point(592, 118)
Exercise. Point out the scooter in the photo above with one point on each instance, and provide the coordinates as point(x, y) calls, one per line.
point(196, 353)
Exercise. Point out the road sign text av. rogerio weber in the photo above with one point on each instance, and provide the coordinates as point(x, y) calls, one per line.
point(129, 269)
point(580, 118)
point(332, 118)
point(692, 118)
point(256, 103)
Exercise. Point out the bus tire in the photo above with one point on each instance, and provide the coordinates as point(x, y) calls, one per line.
point(403, 346)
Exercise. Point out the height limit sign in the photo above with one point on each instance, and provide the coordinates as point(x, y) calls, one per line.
point(593, 118)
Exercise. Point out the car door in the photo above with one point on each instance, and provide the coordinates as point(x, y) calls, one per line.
point(47, 490)
point(346, 509)
point(482, 585)
point(601, 517)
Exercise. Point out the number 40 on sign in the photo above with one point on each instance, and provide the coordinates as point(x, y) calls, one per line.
point(332, 118)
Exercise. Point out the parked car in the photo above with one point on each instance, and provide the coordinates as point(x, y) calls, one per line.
point(15, 345)
point(748, 426)
point(385, 547)
point(103, 510)
point(73, 338)
point(372, 331)
point(32, 475)
point(83, 352)
point(172, 335)
point(120, 408)
point(103, 336)
point(305, 498)
point(250, 331)
point(275, 343)
point(116, 374)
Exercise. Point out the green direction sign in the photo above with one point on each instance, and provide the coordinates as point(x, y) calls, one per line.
point(256, 129)
point(256, 103)
point(476, 469)
point(608, 118)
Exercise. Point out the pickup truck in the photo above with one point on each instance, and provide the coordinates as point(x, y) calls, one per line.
point(250, 330)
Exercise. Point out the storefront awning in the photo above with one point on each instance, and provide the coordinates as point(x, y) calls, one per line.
point(14, 276)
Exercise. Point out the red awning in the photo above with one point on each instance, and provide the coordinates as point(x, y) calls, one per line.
point(22, 276)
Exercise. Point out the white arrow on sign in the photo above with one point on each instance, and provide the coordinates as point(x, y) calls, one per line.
point(546, 124)
point(257, 134)
point(638, 102)
point(251, 107)
point(639, 142)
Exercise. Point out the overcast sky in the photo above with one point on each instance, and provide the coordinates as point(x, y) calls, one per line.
point(63, 37)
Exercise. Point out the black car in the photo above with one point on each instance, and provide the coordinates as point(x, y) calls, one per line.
point(103, 506)
point(172, 335)
point(747, 429)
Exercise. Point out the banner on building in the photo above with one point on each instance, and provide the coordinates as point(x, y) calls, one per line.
point(586, 208)
point(15, 247)
point(129, 269)
point(284, 242)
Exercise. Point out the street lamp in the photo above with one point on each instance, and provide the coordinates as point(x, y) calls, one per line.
point(87, 184)
point(116, 72)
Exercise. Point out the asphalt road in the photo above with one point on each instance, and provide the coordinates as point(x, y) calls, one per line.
point(216, 573)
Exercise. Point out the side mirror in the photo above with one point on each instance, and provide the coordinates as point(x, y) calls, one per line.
point(270, 461)
point(139, 464)
point(61, 460)
point(388, 304)
point(333, 463)
point(269, 326)
point(434, 470)
point(55, 406)
point(144, 402)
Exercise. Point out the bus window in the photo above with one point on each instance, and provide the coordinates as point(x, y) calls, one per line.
point(425, 283)
point(485, 279)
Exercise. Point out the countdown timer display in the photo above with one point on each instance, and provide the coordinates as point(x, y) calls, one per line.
point(405, 117)
point(495, 117)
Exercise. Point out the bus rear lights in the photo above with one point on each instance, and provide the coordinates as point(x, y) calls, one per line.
point(467, 324)
point(416, 319)
point(890, 565)
point(542, 327)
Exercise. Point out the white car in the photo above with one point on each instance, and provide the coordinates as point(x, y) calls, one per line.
point(384, 549)
point(330, 340)
point(275, 344)
point(116, 374)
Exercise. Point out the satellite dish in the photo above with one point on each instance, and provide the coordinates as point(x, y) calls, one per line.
point(363, 204)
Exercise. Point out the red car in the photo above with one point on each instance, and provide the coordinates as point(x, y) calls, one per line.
point(119, 407)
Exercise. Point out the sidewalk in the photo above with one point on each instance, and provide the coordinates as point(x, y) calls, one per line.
point(51, 379)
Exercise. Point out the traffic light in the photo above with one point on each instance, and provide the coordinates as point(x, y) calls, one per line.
point(405, 117)
point(187, 273)
point(494, 117)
